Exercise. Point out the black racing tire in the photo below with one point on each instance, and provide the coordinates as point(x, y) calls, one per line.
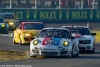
point(6, 31)
point(20, 43)
point(93, 50)
point(77, 54)
point(72, 53)
point(14, 41)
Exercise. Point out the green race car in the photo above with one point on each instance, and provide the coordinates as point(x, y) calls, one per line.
point(10, 19)
point(3, 27)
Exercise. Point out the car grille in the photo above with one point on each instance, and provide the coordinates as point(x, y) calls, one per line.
point(84, 41)
point(81, 48)
point(63, 52)
point(35, 51)
point(26, 39)
point(49, 53)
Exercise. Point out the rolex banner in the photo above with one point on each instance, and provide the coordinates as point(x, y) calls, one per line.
point(54, 14)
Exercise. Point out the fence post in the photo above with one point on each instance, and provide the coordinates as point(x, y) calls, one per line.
point(10, 4)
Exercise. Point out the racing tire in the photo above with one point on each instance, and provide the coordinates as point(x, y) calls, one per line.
point(6, 32)
point(14, 41)
point(77, 54)
point(93, 50)
point(72, 55)
point(20, 42)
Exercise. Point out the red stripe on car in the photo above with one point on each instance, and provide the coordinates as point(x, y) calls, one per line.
point(45, 40)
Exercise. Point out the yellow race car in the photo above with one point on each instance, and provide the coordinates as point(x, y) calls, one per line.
point(10, 19)
point(27, 32)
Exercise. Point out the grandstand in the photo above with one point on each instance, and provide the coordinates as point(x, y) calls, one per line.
point(58, 4)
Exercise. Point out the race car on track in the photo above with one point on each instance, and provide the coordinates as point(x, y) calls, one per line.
point(85, 36)
point(26, 32)
point(11, 19)
point(54, 42)
point(3, 27)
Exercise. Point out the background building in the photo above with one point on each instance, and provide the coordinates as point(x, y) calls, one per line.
point(76, 4)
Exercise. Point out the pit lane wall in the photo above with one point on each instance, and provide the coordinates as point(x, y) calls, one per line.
point(55, 14)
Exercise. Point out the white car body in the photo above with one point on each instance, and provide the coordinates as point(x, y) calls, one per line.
point(86, 42)
point(54, 46)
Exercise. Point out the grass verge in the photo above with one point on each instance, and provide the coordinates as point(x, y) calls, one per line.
point(98, 35)
point(6, 55)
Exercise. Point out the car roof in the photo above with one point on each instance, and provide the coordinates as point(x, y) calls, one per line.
point(6, 13)
point(74, 26)
point(55, 28)
point(30, 22)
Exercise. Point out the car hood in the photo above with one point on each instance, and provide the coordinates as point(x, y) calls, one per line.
point(83, 37)
point(10, 20)
point(32, 32)
point(56, 41)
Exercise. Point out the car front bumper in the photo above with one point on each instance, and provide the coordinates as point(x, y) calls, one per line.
point(12, 26)
point(27, 40)
point(36, 52)
point(85, 47)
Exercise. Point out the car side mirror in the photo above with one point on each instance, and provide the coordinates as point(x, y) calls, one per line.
point(93, 34)
point(35, 37)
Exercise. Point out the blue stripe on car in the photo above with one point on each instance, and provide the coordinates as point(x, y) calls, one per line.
point(57, 40)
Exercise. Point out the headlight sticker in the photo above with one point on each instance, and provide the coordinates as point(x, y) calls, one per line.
point(66, 43)
point(35, 42)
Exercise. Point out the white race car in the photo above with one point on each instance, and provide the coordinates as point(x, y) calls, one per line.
point(85, 37)
point(54, 42)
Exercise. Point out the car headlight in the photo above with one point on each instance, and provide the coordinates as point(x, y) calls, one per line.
point(3, 25)
point(66, 43)
point(27, 34)
point(35, 42)
point(11, 23)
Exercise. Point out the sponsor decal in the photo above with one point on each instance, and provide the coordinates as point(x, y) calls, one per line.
point(50, 41)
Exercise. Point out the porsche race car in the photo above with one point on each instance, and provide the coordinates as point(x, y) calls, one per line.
point(85, 36)
point(3, 27)
point(54, 42)
point(26, 32)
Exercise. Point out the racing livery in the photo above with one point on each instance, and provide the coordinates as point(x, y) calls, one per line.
point(54, 42)
point(85, 37)
point(11, 19)
point(26, 32)
point(3, 27)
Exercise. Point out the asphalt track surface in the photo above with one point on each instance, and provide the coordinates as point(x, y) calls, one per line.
point(84, 59)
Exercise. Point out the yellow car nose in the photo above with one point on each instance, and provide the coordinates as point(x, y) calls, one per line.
point(11, 23)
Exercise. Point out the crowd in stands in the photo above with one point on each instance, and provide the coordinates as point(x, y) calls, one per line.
point(77, 4)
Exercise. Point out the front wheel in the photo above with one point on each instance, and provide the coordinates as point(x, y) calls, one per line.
point(20, 42)
point(6, 31)
point(93, 50)
point(14, 41)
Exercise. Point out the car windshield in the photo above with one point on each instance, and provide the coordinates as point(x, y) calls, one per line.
point(1, 20)
point(82, 31)
point(54, 33)
point(33, 26)
point(7, 16)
